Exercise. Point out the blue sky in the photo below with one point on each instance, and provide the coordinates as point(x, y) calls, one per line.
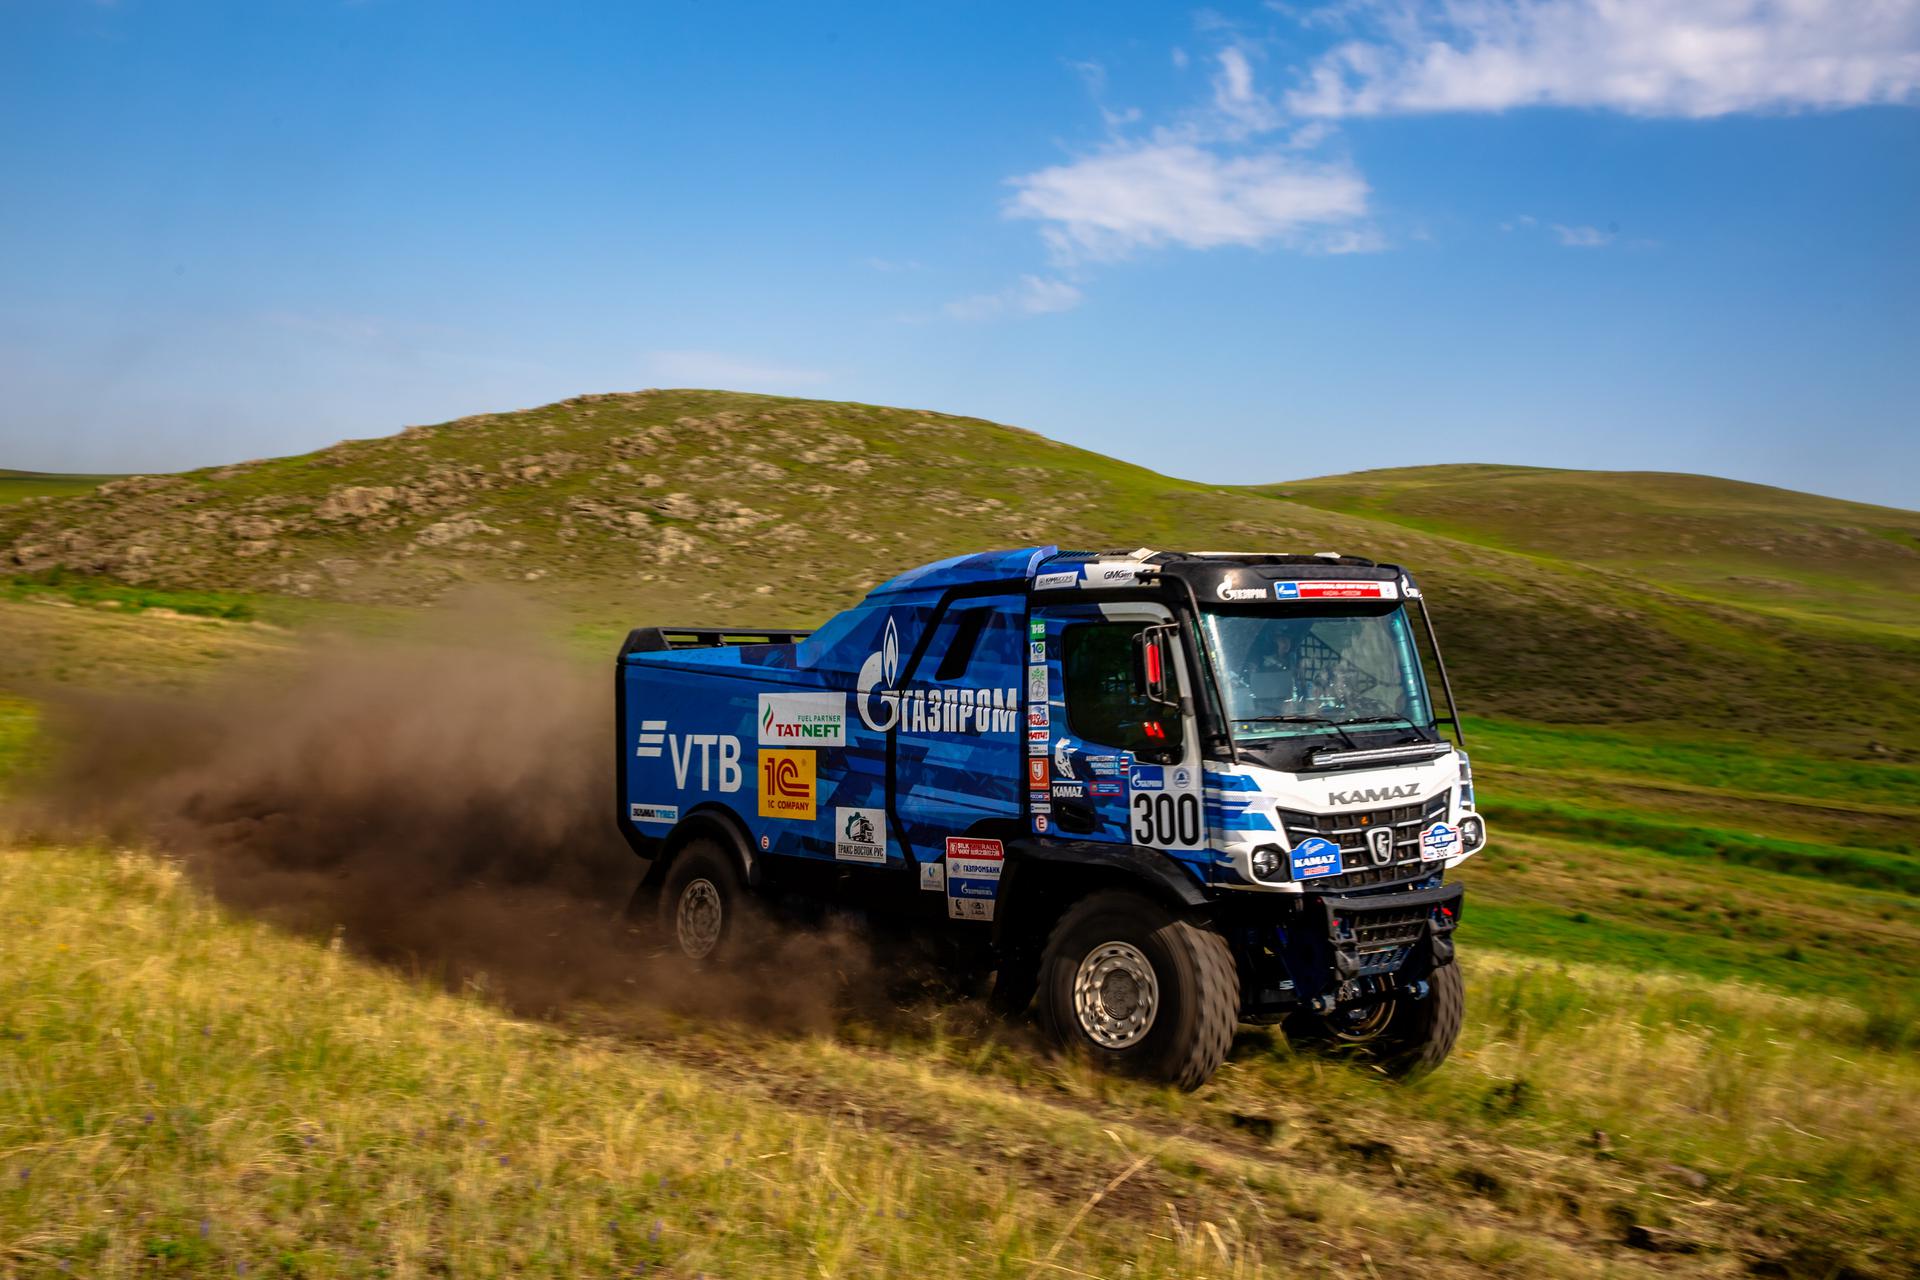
point(1244, 243)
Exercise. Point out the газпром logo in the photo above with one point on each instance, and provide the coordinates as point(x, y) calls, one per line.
point(953, 710)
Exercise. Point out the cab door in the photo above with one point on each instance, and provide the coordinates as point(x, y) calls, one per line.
point(1104, 762)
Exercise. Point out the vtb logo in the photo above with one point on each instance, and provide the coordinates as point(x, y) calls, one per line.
point(787, 785)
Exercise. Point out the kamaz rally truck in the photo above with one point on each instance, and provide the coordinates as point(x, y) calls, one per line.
point(1158, 792)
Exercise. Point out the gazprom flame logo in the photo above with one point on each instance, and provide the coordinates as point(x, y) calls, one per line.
point(877, 674)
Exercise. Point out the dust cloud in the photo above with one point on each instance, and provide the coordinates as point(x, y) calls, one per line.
point(440, 805)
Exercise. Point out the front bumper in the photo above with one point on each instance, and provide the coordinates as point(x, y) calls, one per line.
point(1336, 949)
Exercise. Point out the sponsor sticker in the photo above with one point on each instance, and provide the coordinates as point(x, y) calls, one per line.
point(1036, 684)
point(1039, 717)
point(1069, 790)
point(653, 812)
point(1113, 573)
point(1039, 771)
point(1314, 856)
point(803, 719)
point(1036, 651)
point(1040, 823)
point(786, 785)
point(1439, 841)
point(933, 875)
point(860, 835)
point(1036, 629)
point(1109, 789)
point(973, 877)
point(1228, 593)
point(1149, 777)
point(1056, 581)
point(1182, 778)
point(1036, 746)
point(1328, 589)
point(1039, 734)
point(1037, 802)
point(652, 734)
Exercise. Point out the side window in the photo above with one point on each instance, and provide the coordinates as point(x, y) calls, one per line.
point(960, 646)
point(1096, 663)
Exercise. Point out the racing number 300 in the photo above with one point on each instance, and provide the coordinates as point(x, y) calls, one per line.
point(1166, 819)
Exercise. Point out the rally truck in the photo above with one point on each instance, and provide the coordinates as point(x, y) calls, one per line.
point(1155, 793)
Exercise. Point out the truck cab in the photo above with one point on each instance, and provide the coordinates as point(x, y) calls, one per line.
point(1159, 793)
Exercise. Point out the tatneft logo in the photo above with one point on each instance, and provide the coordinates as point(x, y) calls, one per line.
point(939, 710)
point(719, 755)
point(1372, 795)
point(814, 719)
point(786, 785)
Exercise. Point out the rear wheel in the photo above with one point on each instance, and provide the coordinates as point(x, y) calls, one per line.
point(701, 901)
point(1403, 1038)
point(1139, 989)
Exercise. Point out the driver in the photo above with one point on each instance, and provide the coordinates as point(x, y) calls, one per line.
point(1279, 675)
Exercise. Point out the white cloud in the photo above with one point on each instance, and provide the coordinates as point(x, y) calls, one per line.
point(1692, 58)
point(1144, 196)
point(1352, 240)
point(1240, 106)
point(1583, 237)
point(718, 370)
point(1033, 295)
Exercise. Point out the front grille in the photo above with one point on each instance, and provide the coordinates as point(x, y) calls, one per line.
point(1349, 831)
point(1380, 941)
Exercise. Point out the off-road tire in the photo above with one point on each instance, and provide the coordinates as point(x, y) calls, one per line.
point(703, 902)
point(1197, 1001)
point(1416, 1037)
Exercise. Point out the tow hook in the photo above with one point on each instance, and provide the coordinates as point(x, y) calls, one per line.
point(1419, 990)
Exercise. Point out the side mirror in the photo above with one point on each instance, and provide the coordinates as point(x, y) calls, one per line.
point(1153, 666)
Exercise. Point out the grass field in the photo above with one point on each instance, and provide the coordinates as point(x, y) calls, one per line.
point(1685, 1054)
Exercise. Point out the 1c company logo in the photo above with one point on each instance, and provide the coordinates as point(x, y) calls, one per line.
point(787, 785)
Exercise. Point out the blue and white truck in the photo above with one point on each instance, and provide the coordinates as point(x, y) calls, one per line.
point(1161, 793)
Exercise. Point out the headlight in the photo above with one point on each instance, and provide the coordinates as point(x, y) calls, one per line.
point(1266, 862)
point(1466, 781)
point(1473, 833)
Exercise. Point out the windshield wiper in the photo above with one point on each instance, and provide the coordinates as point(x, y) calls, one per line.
point(1335, 725)
point(1405, 720)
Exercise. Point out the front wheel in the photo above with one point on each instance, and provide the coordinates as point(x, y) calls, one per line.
point(1139, 989)
point(701, 901)
point(1403, 1038)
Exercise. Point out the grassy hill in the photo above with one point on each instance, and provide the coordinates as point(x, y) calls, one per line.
point(701, 505)
point(18, 485)
point(1790, 554)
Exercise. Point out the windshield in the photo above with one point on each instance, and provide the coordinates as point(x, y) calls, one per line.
point(1293, 673)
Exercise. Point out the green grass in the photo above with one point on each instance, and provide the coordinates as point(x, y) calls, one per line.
point(16, 486)
point(105, 593)
point(1738, 766)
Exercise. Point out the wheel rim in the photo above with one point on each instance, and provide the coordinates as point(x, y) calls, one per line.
point(1357, 1026)
point(1115, 995)
point(697, 919)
